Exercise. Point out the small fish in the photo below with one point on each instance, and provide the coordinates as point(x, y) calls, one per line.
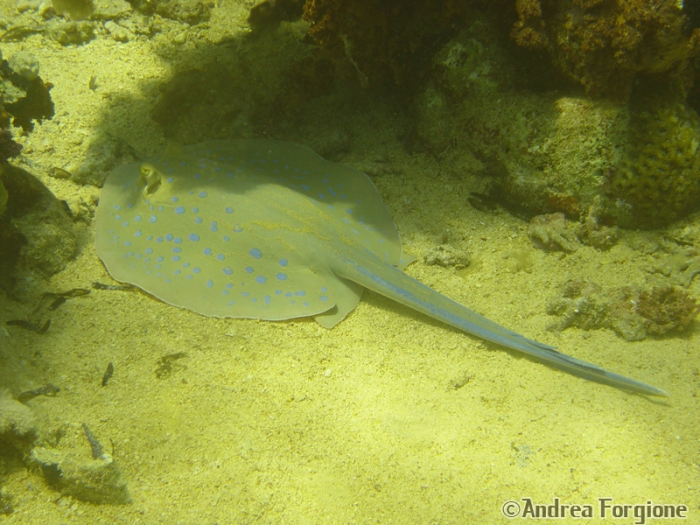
point(108, 374)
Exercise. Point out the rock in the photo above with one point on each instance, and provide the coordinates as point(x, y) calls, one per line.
point(94, 480)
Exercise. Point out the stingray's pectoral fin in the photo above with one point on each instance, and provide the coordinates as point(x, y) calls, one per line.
point(591, 372)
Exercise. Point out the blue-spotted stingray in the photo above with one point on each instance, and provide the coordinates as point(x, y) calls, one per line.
point(269, 230)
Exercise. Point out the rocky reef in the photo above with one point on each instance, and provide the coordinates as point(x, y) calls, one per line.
point(605, 44)
point(657, 180)
point(385, 42)
point(633, 312)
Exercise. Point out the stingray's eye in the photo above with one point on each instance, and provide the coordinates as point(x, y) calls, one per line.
point(150, 179)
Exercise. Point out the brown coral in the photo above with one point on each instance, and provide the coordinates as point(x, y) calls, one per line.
point(603, 44)
point(667, 309)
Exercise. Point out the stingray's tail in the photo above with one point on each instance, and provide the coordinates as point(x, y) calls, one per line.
point(383, 278)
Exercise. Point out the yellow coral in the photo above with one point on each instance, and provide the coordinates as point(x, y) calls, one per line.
point(659, 175)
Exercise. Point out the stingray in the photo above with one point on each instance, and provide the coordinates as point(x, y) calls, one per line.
point(269, 230)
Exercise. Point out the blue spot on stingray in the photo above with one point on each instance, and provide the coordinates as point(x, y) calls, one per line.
point(176, 258)
point(321, 196)
point(117, 207)
point(229, 210)
point(207, 251)
point(255, 253)
point(210, 283)
point(213, 227)
point(248, 269)
point(189, 277)
point(177, 249)
point(195, 210)
point(125, 224)
point(127, 243)
point(229, 285)
point(288, 294)
point(138, 233)
point(267, 299)
point(159, 239)
point(160, 259)
point(278, 292)
point(149, 238)
point(153, 219)
point(177, 240)
point(169, 237)
point(305, 303)
point(177, 272)
point(260, 279)
point(224, 292)
point(305, 187)
point(202, 194)
point(198, 175)
point(186, 265)
point(281, 276)
point(227, 238)
point(196, 270)
point(228, 270)
point(220, 256)
point(160, 208)
point(245, 294)
point(170, 180)
point(283, 262)
point(149, 250)
point(174, 199)
point(323, 298)
point(180, 210)
point(198, 220)
point(194, 237)
point(137, 218)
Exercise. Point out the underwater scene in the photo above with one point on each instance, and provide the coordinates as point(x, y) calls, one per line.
point(349, 261)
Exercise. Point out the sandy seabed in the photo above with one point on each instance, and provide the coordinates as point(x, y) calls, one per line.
point(390, 417)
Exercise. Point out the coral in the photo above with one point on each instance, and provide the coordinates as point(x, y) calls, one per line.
point(37, 238)
point(75, 9)
point(679, 267)
point(24, 97)
point(581, 304)
point(447, 256)
point(593, 232)
point(18, 424)
point(383, 42)
point(551, 232)
point(8, 147)
point(632, 312)
point(85, 475)
point(658, 178)
point(187, 11)
point(270, 13)
point(667, 309)
point(604, 44)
